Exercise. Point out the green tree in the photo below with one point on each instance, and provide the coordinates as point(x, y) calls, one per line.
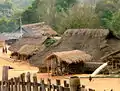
point(105, 9)
point(63, 5)
point(7, 25)
point(30, 16)
point(79, 17)
point(115, 24)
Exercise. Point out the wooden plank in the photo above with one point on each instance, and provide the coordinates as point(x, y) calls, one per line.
point(58, 83)
point(53, 87)
point(28, 82)
point(9, 85)
point(42, 88)
point(35, 84)
point(113, 53)
point(15, 85)
point(11, 82)
point(19, 89)
point(22, 77)
point(48, 85)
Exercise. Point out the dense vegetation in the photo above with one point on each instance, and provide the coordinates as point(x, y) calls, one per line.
point(65, 14)
point(10, 11)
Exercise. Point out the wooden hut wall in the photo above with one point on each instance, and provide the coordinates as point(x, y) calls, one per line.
point(60, 67)
point(24, 57)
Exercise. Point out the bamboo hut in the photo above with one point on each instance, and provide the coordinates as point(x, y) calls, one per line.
point(67, 62)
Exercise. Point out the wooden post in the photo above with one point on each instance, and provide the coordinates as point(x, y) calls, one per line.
point(66, 86)
point(15, 85)
point(53, 87)
point(5, 78)
point(19, 89)
point(5, 73)
point(28, 82)
point(49, 85)
point(35, 85)
point(42, 88)
point(0, 85)
point(9, 85)
point(22, 77)
point(75, 84)
point(11, 82)
point(58, 84)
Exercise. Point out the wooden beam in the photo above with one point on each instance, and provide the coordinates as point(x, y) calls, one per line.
point(113, 53)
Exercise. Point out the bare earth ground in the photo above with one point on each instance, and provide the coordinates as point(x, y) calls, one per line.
point(99, 84)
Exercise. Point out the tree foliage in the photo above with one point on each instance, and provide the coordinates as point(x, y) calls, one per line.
point(115, 24)
point(105, 9)
point(7, 25)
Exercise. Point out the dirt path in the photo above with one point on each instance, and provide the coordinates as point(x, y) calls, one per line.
point(99, 84)
point(19, 67)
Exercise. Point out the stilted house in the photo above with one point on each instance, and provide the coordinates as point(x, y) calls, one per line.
point(67, 62)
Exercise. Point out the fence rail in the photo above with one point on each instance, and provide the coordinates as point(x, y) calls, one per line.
point(25, 83)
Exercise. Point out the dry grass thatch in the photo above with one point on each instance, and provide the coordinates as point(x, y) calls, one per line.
point(38, 29)
point(88, 40)
point(27, 40)
point(74, 56)
point(93, 33)
point(28, 49)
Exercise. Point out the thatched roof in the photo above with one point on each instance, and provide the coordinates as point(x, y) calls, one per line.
point(74, 56)
point(28, 49)
point(33, 34)
point(92, 41)
point(39, 29)
point(27, 40)
point(93, 33)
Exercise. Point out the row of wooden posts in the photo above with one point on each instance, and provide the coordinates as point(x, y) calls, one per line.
point(25, 83)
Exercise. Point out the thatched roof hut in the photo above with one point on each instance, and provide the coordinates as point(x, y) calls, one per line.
point(34, 34)
point(67, 61)
point(27, 40)
point(74, 56)
point(92, 41)
point(96, 42)
point(28, 49)
point(38, 29)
